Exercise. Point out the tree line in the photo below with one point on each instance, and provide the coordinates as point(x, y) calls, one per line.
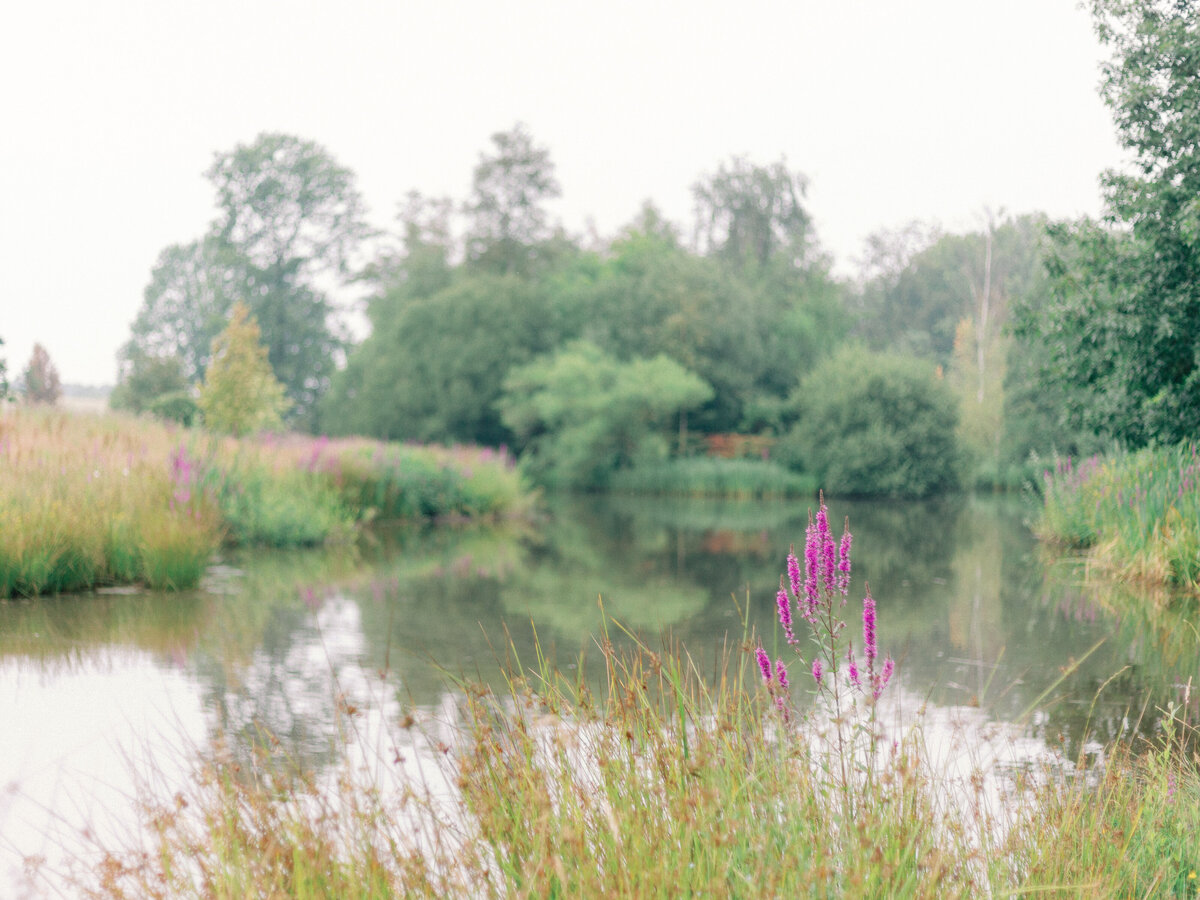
point(949, 355)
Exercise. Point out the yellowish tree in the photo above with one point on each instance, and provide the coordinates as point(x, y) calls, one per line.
point(240, 393)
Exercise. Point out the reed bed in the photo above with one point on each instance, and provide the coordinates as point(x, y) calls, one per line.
point(715, 477)
point(1138, 514)
point(95, 500)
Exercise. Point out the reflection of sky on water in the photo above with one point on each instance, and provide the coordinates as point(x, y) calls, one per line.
point(982, 632)
point(75, 736)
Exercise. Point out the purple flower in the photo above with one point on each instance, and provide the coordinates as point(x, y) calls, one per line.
point(785, 612)
point(852, 668)
point(843, 581)
point(812, 552)
point(781, 674)
point(816, 670)
point(883, 677)
point(793, 570)
point(870, 650)
point(828, 560)
point(764, 663)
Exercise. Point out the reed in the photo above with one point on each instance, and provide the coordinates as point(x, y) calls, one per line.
point(1138, 514)
point(94, 500)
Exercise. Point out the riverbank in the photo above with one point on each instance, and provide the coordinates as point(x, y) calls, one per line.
point(89, 500)
point(1136, 514)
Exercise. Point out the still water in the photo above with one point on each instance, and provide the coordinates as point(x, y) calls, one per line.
point(97, 691)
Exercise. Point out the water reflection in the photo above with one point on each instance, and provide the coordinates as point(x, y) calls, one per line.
point(282, 643)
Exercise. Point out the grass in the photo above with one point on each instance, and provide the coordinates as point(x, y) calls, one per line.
point(656, 783)
point(1138, 514)
point(95, 500)
point(702, 476)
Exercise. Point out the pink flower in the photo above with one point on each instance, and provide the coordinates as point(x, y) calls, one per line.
point(764, 663)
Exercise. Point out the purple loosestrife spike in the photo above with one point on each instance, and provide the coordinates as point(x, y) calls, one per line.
point(884, 677)
point(851, 668)
point(843, 581)
point(785, 612)
point(764, 664)
point(781, 674)
point(829, 563)
point(812, 591)
point(870, 649)
point(793, 570)
point(816, 670)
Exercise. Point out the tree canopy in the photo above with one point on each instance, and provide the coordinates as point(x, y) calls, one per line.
point(1121, 335)
point(289, 223)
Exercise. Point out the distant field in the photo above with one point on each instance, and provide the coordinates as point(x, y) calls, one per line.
point(84, 404)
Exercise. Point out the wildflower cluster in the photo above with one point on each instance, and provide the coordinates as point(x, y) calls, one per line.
point(819, 593)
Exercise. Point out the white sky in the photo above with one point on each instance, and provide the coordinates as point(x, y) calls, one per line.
point(894, 109)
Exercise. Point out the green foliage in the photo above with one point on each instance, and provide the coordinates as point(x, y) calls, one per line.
point(583, 414)
point(433, 366)
point(289, 223)
point(147, 379)
point(508, 218)
point(240, 393)
point(751, 216)
point(875, 424)
point(1120, 333)
point(39, 381)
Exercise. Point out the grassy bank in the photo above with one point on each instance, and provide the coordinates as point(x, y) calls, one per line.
point(1137, 514)
point(658, 784)
point(94, 500)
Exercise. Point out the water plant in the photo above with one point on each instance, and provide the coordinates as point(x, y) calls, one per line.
point(1137, 514)
point(819, 594)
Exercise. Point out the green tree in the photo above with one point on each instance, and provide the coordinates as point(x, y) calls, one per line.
point(509, 222)
point(149, 381)
point(289, 222)
point(40, 382)
point(1122, 332)
point(583, 414)
point(240, 393)
point(752, 215)
point(875, 424)
point(433, 366)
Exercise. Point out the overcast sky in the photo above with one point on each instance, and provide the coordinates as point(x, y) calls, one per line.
point(894, 109)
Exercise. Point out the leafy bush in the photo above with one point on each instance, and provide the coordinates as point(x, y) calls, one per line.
point(875, 425)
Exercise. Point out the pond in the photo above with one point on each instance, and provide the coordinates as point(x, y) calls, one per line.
point(97, 691)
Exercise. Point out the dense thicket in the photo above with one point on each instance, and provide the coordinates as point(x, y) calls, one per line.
point(1120, 335)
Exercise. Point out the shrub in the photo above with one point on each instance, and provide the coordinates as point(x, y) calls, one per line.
point(875, 425)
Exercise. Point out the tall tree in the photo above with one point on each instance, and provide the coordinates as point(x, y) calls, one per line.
point(751, 215)
point(289, 222)
point(1122, 333)
point(40, 382)
point(509, 222)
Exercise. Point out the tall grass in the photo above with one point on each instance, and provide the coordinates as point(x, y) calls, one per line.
point(94, 500)
point(1137, 513)
point(702, 476)
point(90, 500)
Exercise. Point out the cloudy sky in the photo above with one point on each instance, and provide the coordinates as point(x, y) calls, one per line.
point(894, 109)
